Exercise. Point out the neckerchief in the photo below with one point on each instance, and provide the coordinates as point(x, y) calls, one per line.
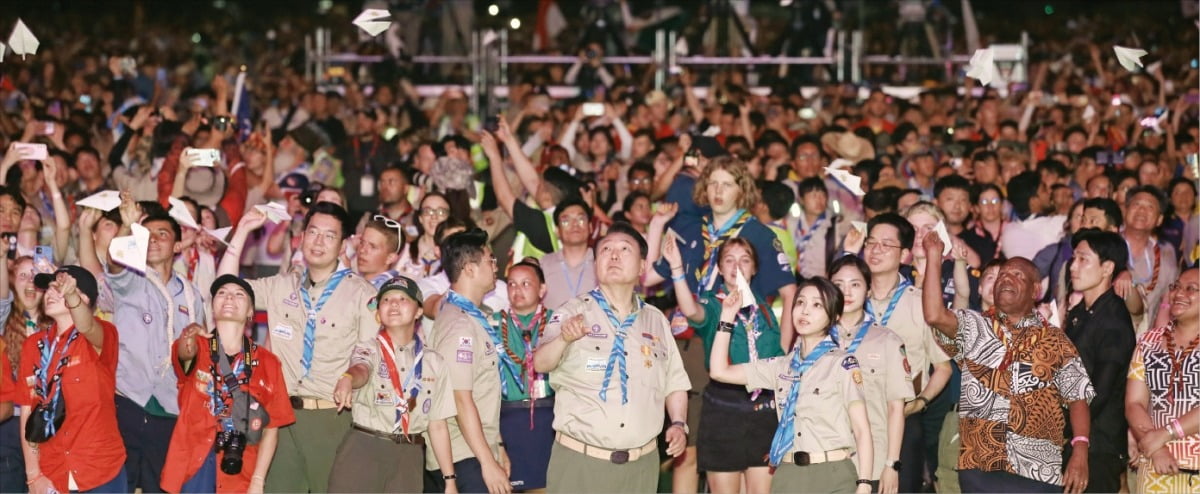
point(714, 238)
point(785, 433)
point(507, 366)
point(897, 293)
point(616, 358)
point(411, 385)
point(1176, 358)
point(310, 324)
point(48, 385)
point(859, 335)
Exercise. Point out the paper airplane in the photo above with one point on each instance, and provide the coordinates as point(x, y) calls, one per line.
point(374, 21)
point(942, 233)
point(849, 180)
point(1129, 57)
point(105, 200)
point(220, 234)
point(861, 226)
point(180, 212)
point(841, 163)
point(743, 288)
point(274, 212)
point(1055, 316)
point(22, 41)
point(983, 67)
point(130, 250)
point(1089, 113)
point(3, 47)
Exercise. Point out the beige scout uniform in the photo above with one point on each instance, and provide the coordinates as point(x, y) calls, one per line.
point(472, 361)
point(375, 456)
point(345, 326)
point(908, 322)
point(655, 370)
point(822, 427)
point(885, 372)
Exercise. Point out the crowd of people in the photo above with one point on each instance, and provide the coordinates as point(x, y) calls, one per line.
point(349, 288)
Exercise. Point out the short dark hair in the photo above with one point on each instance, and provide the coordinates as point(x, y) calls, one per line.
point(15, 194)
point(851, 261)
point(329, 209)
point(1159, 197)
point(85, 149)
point(1053, 166)
point(882, 200)
point(531, 263)
point(951, 182)
point(810, 184)
point(624, 228)
point(627, 204)
point(450, 223)
point(907, 233)
point(640, 166)
point(151, 208)
point(175, 229)
point(831, 297)
point(1108, 246)
point(1112, 211)
point(778, 198)
point(573, 200)
point(461, 249)
point(1021, 189)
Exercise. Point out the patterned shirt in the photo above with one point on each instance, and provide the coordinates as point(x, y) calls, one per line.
point(1013, 394)
point(1172, 394)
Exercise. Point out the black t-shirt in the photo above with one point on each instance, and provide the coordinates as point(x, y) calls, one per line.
point(1103, 334)
point(532, 222)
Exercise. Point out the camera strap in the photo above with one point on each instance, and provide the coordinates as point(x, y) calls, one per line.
point(229, 378)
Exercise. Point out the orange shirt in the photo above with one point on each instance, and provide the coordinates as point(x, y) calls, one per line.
point(196, 430)
point(88, 446)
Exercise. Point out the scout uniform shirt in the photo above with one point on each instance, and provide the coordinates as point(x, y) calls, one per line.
point(654, 366)
point(908, 322)
point(87, 448)
point(826, 391)
point(196, 431)
point(473, 364)
point(345, 325)
point(375, 403)
point(886, 377)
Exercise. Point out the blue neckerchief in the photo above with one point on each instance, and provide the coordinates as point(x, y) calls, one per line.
point(891, 307)
point(310, 324)
point(616, 358)
point(785, 433)
point(506, 363)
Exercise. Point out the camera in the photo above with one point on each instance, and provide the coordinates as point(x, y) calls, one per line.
point(221, 123)
point(233, 444)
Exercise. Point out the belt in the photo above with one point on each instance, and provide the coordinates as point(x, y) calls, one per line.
point(396, 438)
point(538, 403)
point(802, 458)
point(616, 456)
point(302, 403)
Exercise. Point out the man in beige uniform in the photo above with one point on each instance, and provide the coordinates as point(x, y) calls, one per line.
point(399, 409)
point(317, 320)
point(464, 335)
point(613, 366)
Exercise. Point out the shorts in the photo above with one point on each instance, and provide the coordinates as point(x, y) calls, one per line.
point(528, 449)
point(735, 431)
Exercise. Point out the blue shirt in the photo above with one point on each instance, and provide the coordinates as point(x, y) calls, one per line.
point(144, 369)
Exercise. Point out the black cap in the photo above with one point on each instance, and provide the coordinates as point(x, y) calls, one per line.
point(403, 284)
point(226, 279)
point(708, 147)
point(84, 281)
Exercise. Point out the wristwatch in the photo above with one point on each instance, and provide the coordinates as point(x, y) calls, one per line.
point(895, 464)
point(682, 425)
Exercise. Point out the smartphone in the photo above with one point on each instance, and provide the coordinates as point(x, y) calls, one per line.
point(31, 151)
point(10, 240)
point(492, 124)
point(593, 109)
point(203, 157)
point(43, 259)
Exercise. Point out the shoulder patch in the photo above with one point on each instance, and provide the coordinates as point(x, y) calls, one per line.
point(850, 362)
point(778, 244)
point(554, 319)
point(783, 261)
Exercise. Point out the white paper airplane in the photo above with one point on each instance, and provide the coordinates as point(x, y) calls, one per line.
point(130, 250)
point(850, 180)
point(274, 212)
point(1055, 316)
point(942, 233)
point(1129, 57)
point(743, 288)
point(861, 226)
point(22, 41)
point(180, 212)
point(841, 163)
point(220, 234)
point(105, 200)
point(374, 21)
point(3, 48)
point(983, 67)
point(1089, 113)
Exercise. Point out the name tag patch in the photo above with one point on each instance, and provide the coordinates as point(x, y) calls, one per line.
point(292, 300)
point(282, 331)
point(596, 364)
point(464, 357)
point(596, 332)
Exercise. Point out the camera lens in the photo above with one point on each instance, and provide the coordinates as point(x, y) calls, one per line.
point(233, 445)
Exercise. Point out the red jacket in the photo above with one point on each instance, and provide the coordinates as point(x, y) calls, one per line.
point(196, 430)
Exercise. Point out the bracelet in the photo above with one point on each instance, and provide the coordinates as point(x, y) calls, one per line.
point(449, 477)
point(726, 327)
point(862, 481)
point(347, 374)
point(1178, 429)
point(1080, 439)
point(922, 400)
point(73, 307)
point(677, 278)
point(1171, 432)
point(35, 479)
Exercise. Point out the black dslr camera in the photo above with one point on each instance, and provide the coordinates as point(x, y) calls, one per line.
point(233, 444)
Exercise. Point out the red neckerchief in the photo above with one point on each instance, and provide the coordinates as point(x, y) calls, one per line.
point(1176, 357)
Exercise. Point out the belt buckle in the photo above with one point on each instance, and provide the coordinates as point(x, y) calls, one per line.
point(619, 457)
point(297, 402)
point(801, 458)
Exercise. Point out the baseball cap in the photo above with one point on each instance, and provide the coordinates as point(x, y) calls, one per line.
point(227, 279)
point(708, 147)
point(403, 284)
point(84, 281)
point(294, 182)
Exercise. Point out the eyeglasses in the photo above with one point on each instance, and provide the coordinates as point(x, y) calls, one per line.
point(327, 236)
point(640, 181)
point(1191, 289)
point(989, 202)
point(435, 212)
point(390, 223)
point(574, 221)
point(872, 244)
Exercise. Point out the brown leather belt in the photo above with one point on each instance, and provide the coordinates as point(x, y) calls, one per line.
point(416, 439)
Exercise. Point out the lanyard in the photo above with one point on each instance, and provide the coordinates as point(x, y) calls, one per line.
point(365, 163)
point(412, 381)
point(574, 287)
point(224, 384)
point(1152, 282)
point(897, 293)
point(858, 335)
point(617, 355)
point(1176, 358)
point(507, 366)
